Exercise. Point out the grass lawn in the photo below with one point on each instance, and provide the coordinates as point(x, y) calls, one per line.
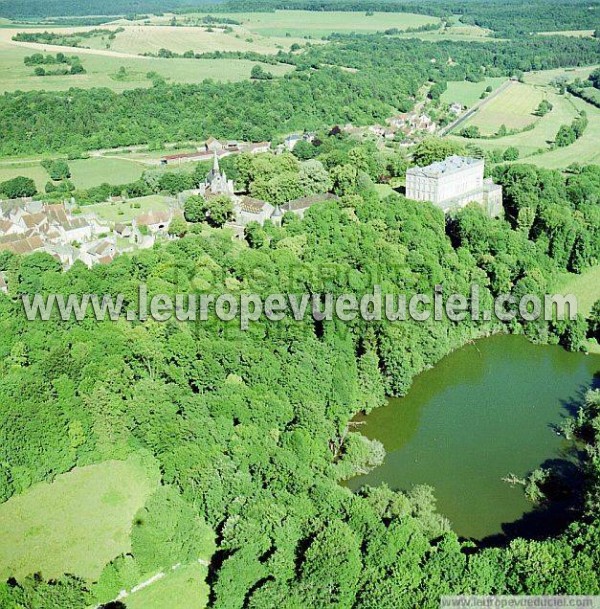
point(31, 170)
point(584, 150)
point(76, 524)
point(512, 107)
point(530, 142)
point(139, 39)
point(182, 588)
point(547, 76)
point(124, 212)
point(456, 31)
point(469, 93)
point(573, 33)
point(384, 190)
point(102, 70)
point(86, 173)
point(322, 23)
point(585, 286)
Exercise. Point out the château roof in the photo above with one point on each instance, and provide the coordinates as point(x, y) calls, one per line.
point(446, 167)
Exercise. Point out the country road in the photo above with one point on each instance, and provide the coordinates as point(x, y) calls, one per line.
point(480, 104)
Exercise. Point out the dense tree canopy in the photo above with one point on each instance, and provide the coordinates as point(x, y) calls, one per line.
point(251, 427)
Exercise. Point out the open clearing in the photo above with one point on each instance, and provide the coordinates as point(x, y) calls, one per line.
point(87, 173)
point(540, 137)
point(469, 93)
point(572, 33)
point(320, 23)
point(512, 107)
point(545, 77)
point(138, 39)
point(103, 67)
point(31, 170)
point(125, 211)
point(534, 145)
point(454, 31)
point(584, 150)
point(585, 286)
point(183, 588)
point(76, 524)
point(587, 289)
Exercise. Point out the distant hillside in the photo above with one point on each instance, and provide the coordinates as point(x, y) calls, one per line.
point(26, 9)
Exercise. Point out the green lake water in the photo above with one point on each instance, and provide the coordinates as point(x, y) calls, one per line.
point(483, 412)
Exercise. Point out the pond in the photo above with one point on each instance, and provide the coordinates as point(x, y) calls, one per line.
point(485, 411)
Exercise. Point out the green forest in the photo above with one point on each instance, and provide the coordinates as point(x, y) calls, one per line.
point(238, 443)
point(320, 93)
point(250, 429)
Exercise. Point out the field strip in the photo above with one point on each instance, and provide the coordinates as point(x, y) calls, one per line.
point(6, 37)
point(461, 119)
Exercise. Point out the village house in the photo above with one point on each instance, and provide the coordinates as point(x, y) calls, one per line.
point(35, 226)
point(99, 252)
point(21, 244)
point(456, 109)
point(249, 210)
point(411, 122)
point(257, 148)
point(123, 230)
point(212, 145)
point(154, 221)
point(64, 253)
point(300, 205)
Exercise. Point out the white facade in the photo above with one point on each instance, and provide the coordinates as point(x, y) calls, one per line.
point(453, 183)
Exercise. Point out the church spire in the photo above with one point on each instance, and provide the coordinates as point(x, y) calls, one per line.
point(216, 163)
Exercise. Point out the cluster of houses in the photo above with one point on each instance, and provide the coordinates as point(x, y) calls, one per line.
point(410, 123)
point(28, 226)
point(249, 209)
point(403, 126)
point(211, 147)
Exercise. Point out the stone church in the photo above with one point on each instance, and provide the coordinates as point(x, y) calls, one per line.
point(216, 182)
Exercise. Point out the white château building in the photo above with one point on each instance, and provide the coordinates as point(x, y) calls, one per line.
point(453, 183)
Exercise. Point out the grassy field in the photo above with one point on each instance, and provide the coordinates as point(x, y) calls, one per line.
point(320, 23)
point(86, 173)
point(587, 289)
point(31, 170)
point(124, 212)
point(469, 93)
point(103, 67)
point(584, 150)
point(139, 39)
point(512, 107)
point(545, 77)
point(585, 286)
point(183, 588)
point(75, 525)
point(454, 31)
point(540, 137)
point(573, 33)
